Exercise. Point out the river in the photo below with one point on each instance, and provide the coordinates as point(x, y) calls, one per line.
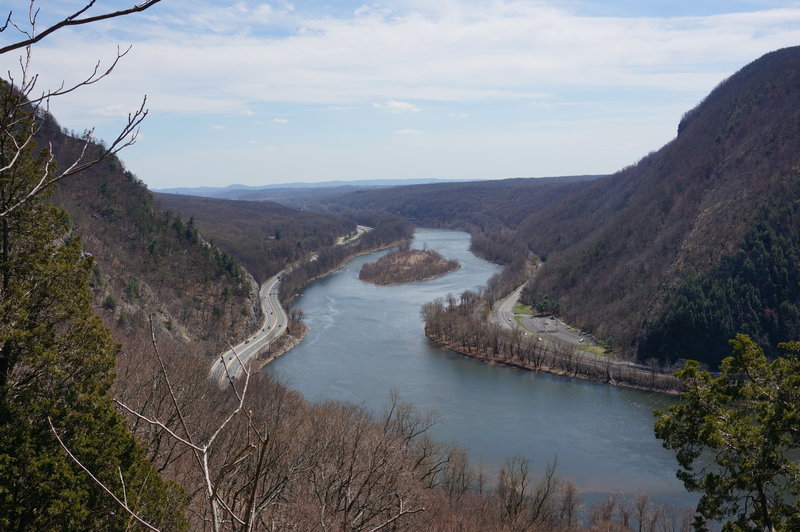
point(365, 340)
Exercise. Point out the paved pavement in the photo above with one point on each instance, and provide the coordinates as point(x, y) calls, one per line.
point(548, 329)
point(275, 323)
point(276, 320)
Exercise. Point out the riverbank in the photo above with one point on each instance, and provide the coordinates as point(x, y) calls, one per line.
point(285, 343)
point(279, 347)
point(364, 340)
point(563, 361)
point(275, 296)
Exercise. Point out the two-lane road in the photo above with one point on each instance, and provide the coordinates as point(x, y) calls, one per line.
point(550, 330)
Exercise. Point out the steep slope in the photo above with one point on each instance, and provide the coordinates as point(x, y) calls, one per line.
point(148, 263)
point(615, 251)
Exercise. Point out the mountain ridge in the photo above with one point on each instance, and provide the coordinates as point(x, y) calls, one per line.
point(678, 210)
point(615, 247)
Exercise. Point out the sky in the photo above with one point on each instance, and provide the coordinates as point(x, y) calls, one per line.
point(258, 93)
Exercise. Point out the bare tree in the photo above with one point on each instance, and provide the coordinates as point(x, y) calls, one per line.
point(20, 97)
point(228, 460)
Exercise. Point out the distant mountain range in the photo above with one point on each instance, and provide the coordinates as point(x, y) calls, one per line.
point(232, 190)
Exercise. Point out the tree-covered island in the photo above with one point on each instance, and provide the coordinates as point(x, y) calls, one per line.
point(406, 266)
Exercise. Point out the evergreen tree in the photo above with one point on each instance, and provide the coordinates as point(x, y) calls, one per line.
point(755, 291)
point(736, 438)
point(56, 366)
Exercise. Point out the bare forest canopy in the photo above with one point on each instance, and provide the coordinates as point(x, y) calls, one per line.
point(481, 207)
point(668, 258)
point(149, 262)
point(262, 235)
point(97, 435)
point(405, 266)
point(177, 452)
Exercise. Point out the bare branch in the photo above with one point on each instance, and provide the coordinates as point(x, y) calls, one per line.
point(122, 483)
point(8, 19)
point(161, 425)
point(91, 79)
point(127, 137)
point(400, 514)
point(73, 20)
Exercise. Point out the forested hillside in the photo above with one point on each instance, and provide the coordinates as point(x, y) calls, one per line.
point(148, 262)
point(654, 258)
point(264, 236)
point(489, 210)
point(669, 257)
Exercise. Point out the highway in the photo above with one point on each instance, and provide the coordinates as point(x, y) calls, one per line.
point(360, 230)
point(503, 311)
point(275, 322)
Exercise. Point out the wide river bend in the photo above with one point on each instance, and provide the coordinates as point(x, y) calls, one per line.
point(365, 340)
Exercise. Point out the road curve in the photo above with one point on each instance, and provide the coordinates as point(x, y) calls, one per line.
point(503, 311)
point(275, 323)
point(549, 330)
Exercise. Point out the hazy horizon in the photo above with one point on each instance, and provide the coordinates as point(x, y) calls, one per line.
point(261, 93)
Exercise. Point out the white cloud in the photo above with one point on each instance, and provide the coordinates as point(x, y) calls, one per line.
point(217, 127)
point(280, 121)
point(528, 67)
point(113, 110)
point(393, 106)
point(459, 51)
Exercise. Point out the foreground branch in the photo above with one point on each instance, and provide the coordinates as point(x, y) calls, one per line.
point(72, 20)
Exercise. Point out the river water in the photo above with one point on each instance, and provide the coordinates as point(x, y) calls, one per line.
point(365, 340)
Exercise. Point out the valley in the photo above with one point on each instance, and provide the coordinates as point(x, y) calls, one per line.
point(496, 354)
point(364, 340)
point(232, 362)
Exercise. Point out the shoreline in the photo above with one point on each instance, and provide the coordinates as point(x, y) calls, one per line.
point(285, 342)
point(670, 385)
point(260, 362)
point(406, 265)
point(344, 263)
point(413, 281)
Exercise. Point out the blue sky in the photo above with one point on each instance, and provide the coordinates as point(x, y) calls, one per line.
point(257, 92)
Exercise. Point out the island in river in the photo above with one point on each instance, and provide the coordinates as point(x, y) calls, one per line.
point(406, 266)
